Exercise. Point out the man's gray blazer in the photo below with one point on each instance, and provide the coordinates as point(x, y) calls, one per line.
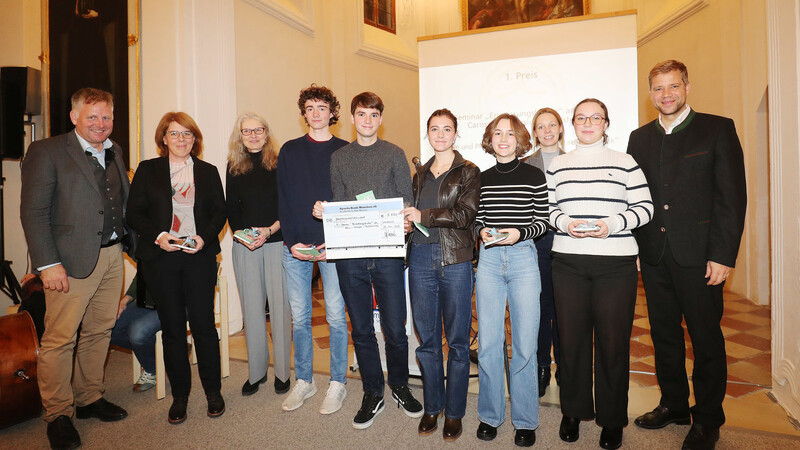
point(62, 206)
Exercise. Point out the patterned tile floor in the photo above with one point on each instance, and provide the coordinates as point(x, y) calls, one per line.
point(745, 325)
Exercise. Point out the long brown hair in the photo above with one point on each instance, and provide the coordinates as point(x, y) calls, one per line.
point(238, 161)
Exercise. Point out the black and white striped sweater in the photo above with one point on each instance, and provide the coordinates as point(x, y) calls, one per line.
point(513, 195)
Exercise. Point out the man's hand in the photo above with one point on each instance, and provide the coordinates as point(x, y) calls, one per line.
point(123, 303)
point(304, 257)
point(55, 279)
point(317, 211)
point(716, 273)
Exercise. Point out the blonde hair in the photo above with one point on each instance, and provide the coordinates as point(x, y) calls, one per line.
point(555, 113)
point(238, 161)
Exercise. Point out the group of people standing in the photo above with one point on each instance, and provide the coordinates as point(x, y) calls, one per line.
point(559, 236)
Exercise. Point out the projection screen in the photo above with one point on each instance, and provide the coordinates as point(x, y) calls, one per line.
point(481, 75)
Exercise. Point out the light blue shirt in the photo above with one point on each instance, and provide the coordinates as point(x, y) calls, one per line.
point(87, 147)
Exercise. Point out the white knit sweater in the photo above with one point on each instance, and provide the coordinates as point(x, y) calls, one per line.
point(595, 182)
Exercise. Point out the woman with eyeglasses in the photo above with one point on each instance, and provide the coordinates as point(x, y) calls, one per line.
point(177, 208)
point(597, 196)
point(440, 274)
point(252, 197)
point(548, 141)
point(512, 212)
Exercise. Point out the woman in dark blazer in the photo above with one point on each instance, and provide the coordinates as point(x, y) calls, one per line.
point(176, 198)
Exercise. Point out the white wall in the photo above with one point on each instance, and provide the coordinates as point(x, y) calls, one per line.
point(276, 58)
point(784, 77)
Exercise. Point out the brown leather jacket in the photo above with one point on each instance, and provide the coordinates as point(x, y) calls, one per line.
point(458, 205)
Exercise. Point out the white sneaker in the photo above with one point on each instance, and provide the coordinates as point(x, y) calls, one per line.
point(334, 398)
point(302, 390)
point(146, 381)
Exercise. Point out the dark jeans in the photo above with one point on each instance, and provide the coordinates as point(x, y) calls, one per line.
point(548, 326)
point(357, 277)
point(136, 329)
point(182, 285)
point(595, 297)
point(441, 294)
point(676, 293)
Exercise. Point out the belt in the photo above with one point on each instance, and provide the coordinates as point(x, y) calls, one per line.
point(110, 243)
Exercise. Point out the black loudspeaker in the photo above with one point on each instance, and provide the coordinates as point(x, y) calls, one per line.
point(20, 94)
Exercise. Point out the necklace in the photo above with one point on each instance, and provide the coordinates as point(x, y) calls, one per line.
point(508, 171)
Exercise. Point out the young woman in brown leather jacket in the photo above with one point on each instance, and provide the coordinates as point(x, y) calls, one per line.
point(441, 278)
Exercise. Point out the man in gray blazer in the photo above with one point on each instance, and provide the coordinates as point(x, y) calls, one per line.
point(74, 188)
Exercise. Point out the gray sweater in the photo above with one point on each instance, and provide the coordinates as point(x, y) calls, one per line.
point(381, 168)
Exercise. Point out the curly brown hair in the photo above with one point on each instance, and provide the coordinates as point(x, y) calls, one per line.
point(520, 133)
point(322, 94)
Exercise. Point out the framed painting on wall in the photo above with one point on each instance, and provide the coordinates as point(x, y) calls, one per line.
point(477, 14)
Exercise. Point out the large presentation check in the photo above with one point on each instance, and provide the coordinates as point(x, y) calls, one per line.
point(364, 229)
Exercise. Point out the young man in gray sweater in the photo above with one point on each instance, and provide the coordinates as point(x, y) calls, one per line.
point(372, 164)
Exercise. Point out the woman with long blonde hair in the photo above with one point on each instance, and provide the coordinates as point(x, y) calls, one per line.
point(252, 199)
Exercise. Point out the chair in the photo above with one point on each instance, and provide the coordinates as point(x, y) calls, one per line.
point(221, 319)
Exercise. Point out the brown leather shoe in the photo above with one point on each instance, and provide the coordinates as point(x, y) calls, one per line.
point(452, 429)
point(428, 424)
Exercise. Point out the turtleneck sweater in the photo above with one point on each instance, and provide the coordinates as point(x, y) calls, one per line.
point(595, 182)
point(513, 195)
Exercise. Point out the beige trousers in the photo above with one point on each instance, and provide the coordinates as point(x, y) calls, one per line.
point(92, 302)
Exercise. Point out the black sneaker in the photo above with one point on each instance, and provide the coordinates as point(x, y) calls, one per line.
point(402, 395)
point(371, 405)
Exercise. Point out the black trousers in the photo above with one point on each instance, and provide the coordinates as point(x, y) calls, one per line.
point(182, 285)
point(548, 327)
point(676, 293)
point(595, 297)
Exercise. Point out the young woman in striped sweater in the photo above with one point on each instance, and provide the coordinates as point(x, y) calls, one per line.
point(514, 201)
point(594, 272)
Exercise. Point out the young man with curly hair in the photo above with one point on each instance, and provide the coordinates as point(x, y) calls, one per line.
point(303, 178)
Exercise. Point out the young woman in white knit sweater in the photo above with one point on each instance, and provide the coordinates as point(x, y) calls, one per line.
point(604, 193)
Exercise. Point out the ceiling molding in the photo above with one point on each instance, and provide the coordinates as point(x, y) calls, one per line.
point(287, 12)
point(390, 50)
point(388, 56)
point(678, 15)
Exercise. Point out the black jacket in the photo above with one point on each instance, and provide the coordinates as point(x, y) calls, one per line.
point(150, 205)
point(697, 181)
point(458, 205)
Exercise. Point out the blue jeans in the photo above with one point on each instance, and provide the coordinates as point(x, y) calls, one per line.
point(298, 289)
point(357, 277)
point(136, 329)
point(508, 272)
point(441, 293)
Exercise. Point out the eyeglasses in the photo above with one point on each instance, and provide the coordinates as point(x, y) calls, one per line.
point(596, 119)
point(178, 134)
point(257, 131)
